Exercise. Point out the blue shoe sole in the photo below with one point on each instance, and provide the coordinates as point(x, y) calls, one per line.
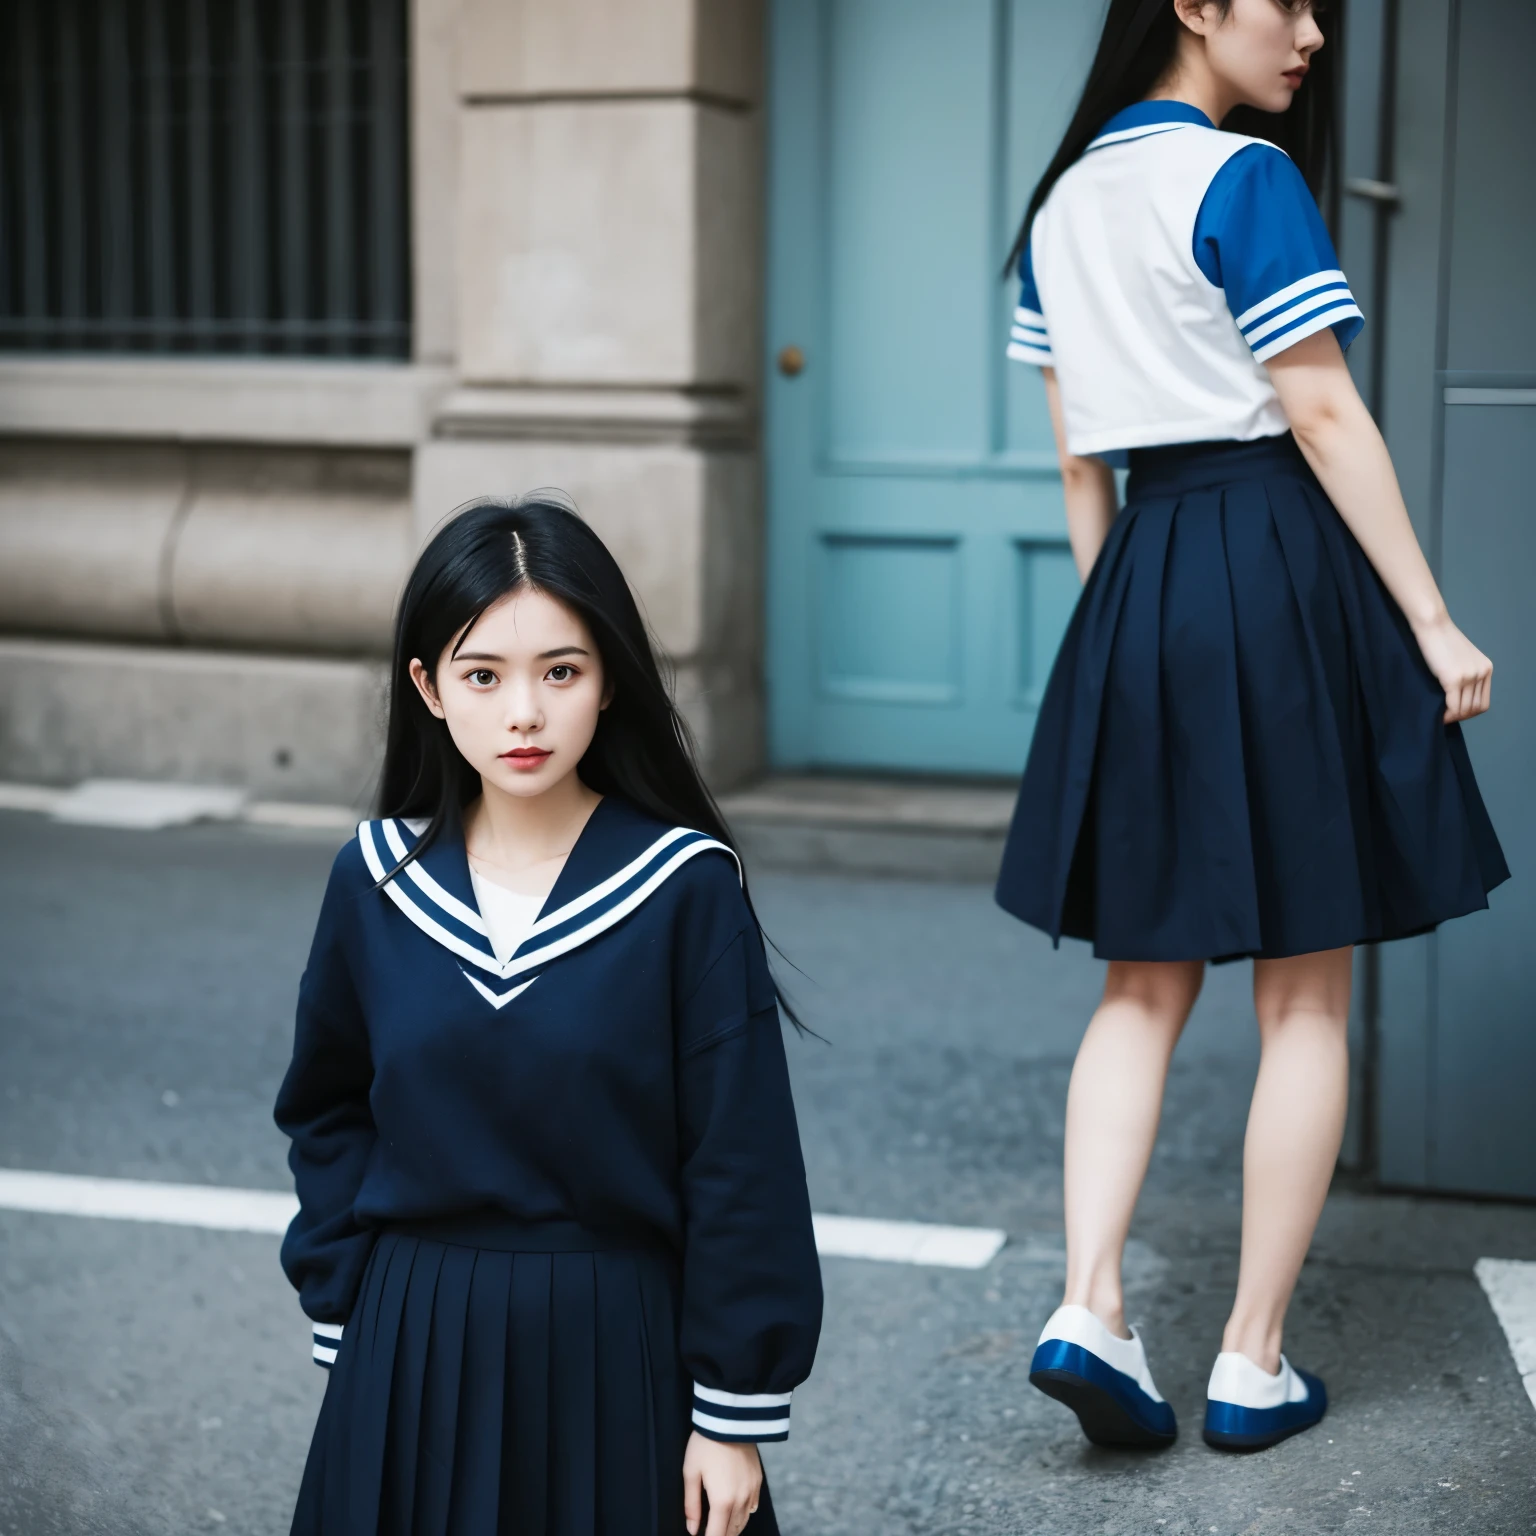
point(1105, 1421)
point(1237, 1440)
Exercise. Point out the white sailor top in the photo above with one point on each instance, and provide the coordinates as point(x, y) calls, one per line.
point(1163, 270)
point(622, 1070)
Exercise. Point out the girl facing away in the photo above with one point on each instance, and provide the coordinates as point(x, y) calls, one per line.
point(553, 1237)
point(1249, 746)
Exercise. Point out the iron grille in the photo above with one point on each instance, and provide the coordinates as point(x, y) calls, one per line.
point(196, 176)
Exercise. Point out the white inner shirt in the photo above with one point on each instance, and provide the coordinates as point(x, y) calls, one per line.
point(508, 915)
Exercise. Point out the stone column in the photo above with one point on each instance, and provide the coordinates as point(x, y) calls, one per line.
point(607, 235)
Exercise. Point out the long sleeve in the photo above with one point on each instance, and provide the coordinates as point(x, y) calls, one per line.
point(323, 1107)
point(751, 1310)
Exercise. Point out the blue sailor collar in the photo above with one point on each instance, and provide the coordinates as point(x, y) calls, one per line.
point(1146, 118)
point(620, 859)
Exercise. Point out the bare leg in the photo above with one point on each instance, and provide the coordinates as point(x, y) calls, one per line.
point(1294, 1129)
point(1113, 1106)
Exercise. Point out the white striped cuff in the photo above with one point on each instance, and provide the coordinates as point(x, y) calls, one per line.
point(327, 1338)
point(1296, 312)
point(740, 1416)
point(1027, 352)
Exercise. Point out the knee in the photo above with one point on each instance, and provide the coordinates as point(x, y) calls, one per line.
point(1165, 990)
point(1313, 987)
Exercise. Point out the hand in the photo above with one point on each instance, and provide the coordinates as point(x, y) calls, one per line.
point(1459, 667)
point(731, 1473)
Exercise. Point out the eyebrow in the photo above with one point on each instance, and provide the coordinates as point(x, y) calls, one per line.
point(564, 650)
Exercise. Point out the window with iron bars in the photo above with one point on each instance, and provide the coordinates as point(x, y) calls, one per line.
point(204, 176)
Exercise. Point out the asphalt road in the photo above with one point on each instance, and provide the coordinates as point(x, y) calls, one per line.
point(156, 1379)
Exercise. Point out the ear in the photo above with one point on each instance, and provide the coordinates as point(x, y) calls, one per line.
point(424, 686)
point(1193, 14)
point(607, 696)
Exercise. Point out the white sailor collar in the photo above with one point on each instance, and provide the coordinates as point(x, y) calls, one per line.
point(620, 859)
point(1146, 118)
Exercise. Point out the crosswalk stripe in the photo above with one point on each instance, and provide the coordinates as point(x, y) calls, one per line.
point(269, 1211)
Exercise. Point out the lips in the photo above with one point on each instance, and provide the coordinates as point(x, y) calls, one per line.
point(1296, 76)
point(525, 758)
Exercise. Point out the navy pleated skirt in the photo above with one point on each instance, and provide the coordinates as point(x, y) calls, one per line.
point(1240, 750)
point(497, 1381)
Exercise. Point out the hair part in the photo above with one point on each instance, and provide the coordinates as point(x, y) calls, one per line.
point(1137, 48)
point(488, 549)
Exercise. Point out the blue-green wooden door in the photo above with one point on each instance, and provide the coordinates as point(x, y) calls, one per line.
point(919, 575)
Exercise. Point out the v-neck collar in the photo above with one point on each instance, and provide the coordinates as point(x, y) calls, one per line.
point(620, 858)
point(1145, 118)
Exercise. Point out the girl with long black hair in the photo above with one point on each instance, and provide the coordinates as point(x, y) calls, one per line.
point(1250, 743)
point(553, 1237)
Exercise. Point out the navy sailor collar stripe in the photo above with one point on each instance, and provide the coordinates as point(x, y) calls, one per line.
point(1146, 118)
point(620, 859)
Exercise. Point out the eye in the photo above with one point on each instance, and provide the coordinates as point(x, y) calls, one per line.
point(482, 677)
point(561, 672)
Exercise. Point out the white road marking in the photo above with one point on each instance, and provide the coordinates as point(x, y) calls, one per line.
point(270, 1211)
point(178, 1205)
point(1510, 1285)
point(907, 1242)
point(147, 806)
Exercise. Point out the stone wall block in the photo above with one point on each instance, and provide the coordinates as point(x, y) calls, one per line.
point(611, 47)
point(435, 33)
point(298, 553)
point(577, 244)
point(83, 537)
point(289, 728)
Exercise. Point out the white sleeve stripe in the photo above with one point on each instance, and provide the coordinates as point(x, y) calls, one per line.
point(1030, 338)
point(323, 1355)
point(743, 1427)
point(327, 1330)
point(1313, 301)
point(1019, 353)
point(1029, 317)
point(1305, 285)
point(742, 1399)
point(1308, 327)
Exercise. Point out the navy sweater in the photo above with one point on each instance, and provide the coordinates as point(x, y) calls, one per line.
point(623, 1071)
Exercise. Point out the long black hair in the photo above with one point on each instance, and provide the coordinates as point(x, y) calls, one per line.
point(1136, 49)
point(642, 751)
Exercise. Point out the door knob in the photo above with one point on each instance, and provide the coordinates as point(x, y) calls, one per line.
point(791, 361)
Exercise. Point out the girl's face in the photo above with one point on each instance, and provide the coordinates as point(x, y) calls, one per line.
point(523, 693)
point(1259, 51)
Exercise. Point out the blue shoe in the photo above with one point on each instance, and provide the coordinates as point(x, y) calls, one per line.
point(1247, 1409)
point(1103, 1379)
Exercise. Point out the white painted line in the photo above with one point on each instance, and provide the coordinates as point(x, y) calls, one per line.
point(1510, 1285)
point(269, 1211)
point(179, 1205)
point(29, 797)
point(147, 806)
point(293, 813)
point(907, 1242)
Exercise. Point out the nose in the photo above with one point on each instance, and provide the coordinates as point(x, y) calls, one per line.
point(523, 711)
point(1309, 36)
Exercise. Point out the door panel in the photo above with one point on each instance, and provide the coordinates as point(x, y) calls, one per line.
point(919, 573)
point(1457, 1026)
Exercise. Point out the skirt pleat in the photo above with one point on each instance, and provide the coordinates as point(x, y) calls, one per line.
point(486, 1391)
point(1240, 750)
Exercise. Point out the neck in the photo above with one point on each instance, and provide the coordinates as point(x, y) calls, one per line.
point(1192, 81)
point(513, 831)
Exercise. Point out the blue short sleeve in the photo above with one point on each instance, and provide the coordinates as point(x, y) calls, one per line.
point(1259, 238)
point(1029, 341)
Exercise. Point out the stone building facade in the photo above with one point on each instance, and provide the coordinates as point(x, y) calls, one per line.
point(199, 556)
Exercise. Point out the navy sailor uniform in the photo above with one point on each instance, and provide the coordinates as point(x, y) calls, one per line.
point(1240, 751)
point(553, 1211)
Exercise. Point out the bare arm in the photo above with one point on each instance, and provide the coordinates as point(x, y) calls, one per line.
point(1342, 444)
point(1088, 486)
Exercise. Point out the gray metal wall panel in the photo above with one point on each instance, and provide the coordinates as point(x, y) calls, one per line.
point(1483, 1051)
point(1491, 312)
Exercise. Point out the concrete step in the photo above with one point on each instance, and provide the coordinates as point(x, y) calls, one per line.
point(918, 828)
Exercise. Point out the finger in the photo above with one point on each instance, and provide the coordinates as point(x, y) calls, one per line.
point(693, 1484)
point(1450, 706)
point(720, 1518)
point(1485, 692)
